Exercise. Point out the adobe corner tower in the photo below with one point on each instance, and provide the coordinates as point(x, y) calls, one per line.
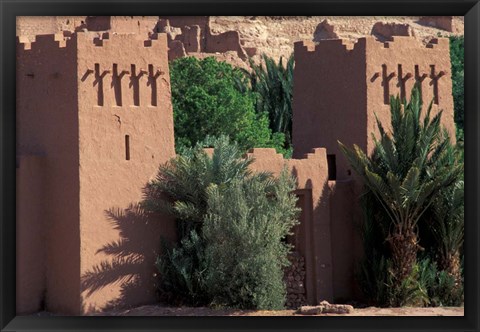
point(94, 122)
point(339, 88)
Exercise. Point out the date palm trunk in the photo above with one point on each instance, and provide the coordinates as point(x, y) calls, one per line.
point(451, 264)
point(404, 245)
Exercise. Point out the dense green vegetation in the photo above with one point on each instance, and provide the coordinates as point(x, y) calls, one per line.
point(273, 85)
point(414, 181)
point(231, 226)
point(213, 98)
point(457, 60)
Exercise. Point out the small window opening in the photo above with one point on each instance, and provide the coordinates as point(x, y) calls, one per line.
point(127, 147)
point(332, 167)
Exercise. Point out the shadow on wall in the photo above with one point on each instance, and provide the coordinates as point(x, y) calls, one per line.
point(130, 261)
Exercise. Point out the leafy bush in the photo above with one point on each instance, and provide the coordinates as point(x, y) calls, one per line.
point(212, 98)
point(442, 288)
point(180, 187)
point(232, 225)
point(181, 280)
point(246, 223)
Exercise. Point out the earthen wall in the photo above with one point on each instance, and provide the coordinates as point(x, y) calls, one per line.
point(394, 67)
point(311, 173)
point(30, 234)
point(47, 124)
point(339, 88)
point(125, 133)
point(329, 98)
point(99, 110)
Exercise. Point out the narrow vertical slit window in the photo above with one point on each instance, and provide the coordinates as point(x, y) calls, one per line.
point(127, 147)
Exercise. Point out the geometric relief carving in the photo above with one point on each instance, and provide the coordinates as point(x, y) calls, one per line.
point(152, 82)
point(386, 83)
point(403, 79)
point(419, 79)
point(99, 83)
point(401, 82)
point(135, 85)
point(117, 84)
point(435, 77)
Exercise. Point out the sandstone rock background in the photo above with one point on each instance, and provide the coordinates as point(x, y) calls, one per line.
point(275, 35)
point(232, 38)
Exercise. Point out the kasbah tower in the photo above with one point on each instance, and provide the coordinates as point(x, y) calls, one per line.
point(94, 122)
point(340, 87)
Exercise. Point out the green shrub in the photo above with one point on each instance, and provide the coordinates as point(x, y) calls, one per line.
point(243, 231)
point(213, 98)
point(181, 279)
point(442, 288)
point(181, 184)
point(232, 223)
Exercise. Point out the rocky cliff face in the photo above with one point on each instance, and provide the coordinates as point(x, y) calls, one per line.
point(236, 38)
point(275, 35)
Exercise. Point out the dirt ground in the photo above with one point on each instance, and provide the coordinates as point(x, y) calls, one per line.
point(155, 310)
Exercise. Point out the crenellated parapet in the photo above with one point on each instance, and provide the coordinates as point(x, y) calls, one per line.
point(118, 69)
point(343, 45)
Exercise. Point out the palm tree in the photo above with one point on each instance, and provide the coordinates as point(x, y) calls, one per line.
point(448, 229)
point(273, 83)
point(405, 173)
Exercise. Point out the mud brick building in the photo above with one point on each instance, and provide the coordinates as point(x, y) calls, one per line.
point(94, 122)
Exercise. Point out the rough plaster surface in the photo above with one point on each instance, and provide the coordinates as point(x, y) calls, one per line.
point(47, 124)
point(311, 173)
point(357, 76)
point(98, 249)
point(30, 234)
point(108, 181)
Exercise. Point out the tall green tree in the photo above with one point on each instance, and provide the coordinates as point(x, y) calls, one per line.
point(405, 173)
point(212, 98)
point(273, 84)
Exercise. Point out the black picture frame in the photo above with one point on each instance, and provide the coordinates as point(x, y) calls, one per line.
point(9, 9)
